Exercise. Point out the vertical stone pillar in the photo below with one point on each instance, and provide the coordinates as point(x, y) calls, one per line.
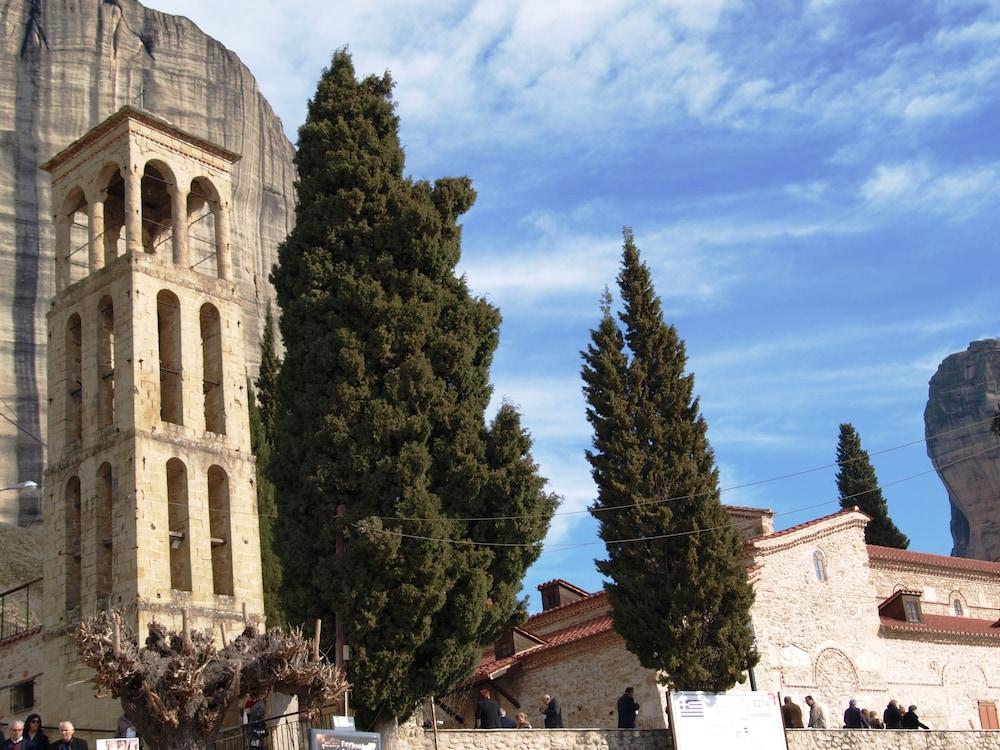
point(178, 215)
point(223, 258)
point(62, 251)
point(133, 211)
point(95, 238)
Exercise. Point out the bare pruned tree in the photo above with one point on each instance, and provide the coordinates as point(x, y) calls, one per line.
point(178, 687)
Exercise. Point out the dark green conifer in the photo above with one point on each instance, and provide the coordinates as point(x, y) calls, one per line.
point(266, 514)
point(381, 401)
point(678, 591)
point(858, 485)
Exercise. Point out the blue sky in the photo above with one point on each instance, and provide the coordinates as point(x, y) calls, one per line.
point(815, 186)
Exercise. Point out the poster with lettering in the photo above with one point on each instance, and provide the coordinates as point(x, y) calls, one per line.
point(118, 743)
point(343, 739)
point(726, 721)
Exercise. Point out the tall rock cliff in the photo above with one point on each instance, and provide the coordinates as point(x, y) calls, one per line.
point(66, 66)
point(964, 394)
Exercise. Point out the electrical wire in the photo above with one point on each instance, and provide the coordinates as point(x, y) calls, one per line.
point(678, 498)
point(668, 535)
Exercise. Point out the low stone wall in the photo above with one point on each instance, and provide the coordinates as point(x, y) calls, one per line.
point(541, 739)
point(659, 739)
point(891, 739)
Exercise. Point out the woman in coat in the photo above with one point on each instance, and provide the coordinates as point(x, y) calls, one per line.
point(34, 736)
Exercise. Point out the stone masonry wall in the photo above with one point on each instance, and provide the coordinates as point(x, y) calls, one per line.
point(659, 739)
point(846, 739)
point(587, 681)
point(549, 739)
point(978, 593)
point(20, 661)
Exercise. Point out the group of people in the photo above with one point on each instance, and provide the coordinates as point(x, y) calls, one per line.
point(489, 714)
point(29, 735)
point(894, 717)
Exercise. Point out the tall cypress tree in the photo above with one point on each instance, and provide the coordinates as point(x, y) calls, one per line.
point(858, 485)
point(679, 593)
point(381, 402)
point(262, 406)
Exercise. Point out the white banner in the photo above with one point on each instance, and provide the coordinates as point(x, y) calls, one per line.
point(726, 721)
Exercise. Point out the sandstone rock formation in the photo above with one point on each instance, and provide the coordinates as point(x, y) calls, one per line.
point(964, 394)
point(64, 67)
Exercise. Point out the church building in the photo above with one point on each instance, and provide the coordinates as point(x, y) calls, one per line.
point(833, 617)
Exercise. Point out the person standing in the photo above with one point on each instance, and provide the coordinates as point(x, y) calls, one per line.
point(67, 740)
point(16, 739)
point(627, 709)
point(487, 711)
point(34, 737)
point(553, 713)
point(817, 714)
point(854, 717)
point(791, 712)
point(912, 721)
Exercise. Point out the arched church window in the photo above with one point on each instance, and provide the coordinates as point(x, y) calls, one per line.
point(178, 521)
point(71, 548)
point(74, 380)
point(105, 362)
point(819, 565)
point(219, 525)
point(211, 357)
point(168, 322)
point(104, 537)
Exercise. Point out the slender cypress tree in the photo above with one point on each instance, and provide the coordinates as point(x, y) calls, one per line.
point(267, 376)
point(262, 404)
point(858, 485)
point(680, 597)
point(380, 441)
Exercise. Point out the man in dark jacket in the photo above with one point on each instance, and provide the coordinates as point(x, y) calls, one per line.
point(892, 717)
point(16, 739)
point(912, 721)
point(68, 741)
point(627, 710)
point(553, 714)
point(791, 712)
point(487, 711)
point(854, 717)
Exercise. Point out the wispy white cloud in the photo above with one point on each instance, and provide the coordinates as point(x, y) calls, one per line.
point(916, 184)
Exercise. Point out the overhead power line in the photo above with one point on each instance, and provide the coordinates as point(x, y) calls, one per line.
point(667, 535)
point(677, 498)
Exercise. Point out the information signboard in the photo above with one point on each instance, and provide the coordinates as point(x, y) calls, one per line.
point(726, 721)
point(343, 739)
point(118, 743)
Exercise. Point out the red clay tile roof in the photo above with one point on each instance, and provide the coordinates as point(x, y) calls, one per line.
point(541, 617)
point(596, 626)
point(944, 624)
point(876, 552)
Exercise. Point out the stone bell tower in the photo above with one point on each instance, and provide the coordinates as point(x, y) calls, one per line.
point(149, 497)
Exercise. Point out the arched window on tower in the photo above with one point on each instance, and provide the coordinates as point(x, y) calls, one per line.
point(71, 547)
point(157, 219)
point(105, 362)
point(203, 212)
point(211, 357)
point(819, 564)
point(177, 519)
point(168, 322)
point(74, 381)
point(77, 254)
point(218, 514)
point(104, 535)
